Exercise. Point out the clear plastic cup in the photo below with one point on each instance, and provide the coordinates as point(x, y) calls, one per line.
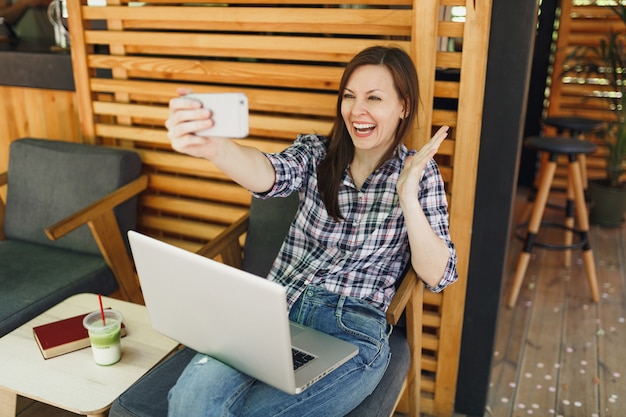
point(105, 336)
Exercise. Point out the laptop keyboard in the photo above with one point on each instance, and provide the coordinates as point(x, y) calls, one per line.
point(300, 358)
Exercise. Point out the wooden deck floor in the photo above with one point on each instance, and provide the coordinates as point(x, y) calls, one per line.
point(556, 353)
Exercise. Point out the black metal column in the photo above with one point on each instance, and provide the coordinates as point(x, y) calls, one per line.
point(512, 42)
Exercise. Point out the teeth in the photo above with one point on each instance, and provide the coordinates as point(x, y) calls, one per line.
point(362, 126)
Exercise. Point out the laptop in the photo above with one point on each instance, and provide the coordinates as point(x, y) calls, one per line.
point(233, 316)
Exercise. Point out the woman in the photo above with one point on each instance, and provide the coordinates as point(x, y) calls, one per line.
point(368, 206)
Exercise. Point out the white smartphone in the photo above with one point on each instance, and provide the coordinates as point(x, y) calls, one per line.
point(230, 114)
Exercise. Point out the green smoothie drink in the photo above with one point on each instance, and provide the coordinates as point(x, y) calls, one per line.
point(104, 336)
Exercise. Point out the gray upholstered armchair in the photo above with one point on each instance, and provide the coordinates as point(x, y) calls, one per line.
point(61, 225)
point(266, 227)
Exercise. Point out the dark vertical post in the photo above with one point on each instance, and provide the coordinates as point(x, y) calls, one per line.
point(512, 42)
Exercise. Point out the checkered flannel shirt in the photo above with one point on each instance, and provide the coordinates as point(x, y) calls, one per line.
point(365, 253)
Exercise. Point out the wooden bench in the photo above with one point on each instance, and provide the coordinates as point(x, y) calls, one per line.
point(288, 57)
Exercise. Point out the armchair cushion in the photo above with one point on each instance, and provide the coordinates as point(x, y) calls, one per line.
point(269, 223)
point(53, 275)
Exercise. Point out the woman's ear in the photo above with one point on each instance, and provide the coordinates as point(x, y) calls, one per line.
point(406, 108)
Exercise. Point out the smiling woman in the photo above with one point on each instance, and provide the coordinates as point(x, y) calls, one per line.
point(368, 206)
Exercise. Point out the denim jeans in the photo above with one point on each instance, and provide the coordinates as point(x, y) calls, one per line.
point(210, 388)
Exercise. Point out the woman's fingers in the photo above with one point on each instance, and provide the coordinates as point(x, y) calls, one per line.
point(186, 116)
point(429, 150)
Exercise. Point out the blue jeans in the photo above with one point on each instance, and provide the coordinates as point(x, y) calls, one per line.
point(210, 388)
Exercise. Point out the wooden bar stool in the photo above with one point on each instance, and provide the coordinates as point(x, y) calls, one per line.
point(573, 127)
point(572, 148)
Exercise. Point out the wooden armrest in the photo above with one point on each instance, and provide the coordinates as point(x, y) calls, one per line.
point(106, 232)
point(410, 299)
point(98, 208)
point(227, 243)
point(410, 283)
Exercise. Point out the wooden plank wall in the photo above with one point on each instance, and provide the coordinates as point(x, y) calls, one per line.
point(580, 25)
point(56, 118)
point(288, 57)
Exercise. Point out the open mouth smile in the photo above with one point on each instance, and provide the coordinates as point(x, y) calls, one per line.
point(364, 128)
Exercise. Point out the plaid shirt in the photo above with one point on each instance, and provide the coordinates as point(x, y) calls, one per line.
point(365, 253)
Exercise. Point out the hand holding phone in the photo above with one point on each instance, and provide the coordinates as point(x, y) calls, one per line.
point(229, 114)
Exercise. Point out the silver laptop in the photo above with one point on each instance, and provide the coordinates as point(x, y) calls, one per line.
point(233, 316)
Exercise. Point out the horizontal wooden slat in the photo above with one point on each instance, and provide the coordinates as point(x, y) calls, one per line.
point(451, 29)
point(185, 244)
point(446, 89)
point(444, 118)
point(200, 188)
point(588, 39)
point(430, 342)
point(299, 102)
point(431, 319)
point(211, 212)
point(159, 113)
point(432, 298)
point(388, 22)
point(202, 231)
point(449, 59)
point(291, 2)
point(428, 387)
point(260, 125)
point(453, 3)
point(593, 11)
point(325, 49)
point(179, 163)
point(181, 243)
point(231, 73)
point(282, 128)
point(183, 164)
point(286, 128)
point(429, 364)
point(139, 134)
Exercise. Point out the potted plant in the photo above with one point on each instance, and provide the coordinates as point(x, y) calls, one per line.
point(607, 64)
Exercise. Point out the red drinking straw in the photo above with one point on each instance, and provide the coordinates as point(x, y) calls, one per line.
point(104, 323)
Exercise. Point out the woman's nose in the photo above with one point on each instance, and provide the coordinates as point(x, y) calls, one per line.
point(359, 107)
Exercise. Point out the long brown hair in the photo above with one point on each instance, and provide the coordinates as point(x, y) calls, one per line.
point(340, 146)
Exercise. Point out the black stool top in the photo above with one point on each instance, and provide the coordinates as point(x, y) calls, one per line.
point(559, 144)
point(573, 123)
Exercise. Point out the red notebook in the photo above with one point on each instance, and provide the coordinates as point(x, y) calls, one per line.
point(63, 336)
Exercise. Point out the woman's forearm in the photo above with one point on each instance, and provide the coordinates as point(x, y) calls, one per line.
point(245, 165)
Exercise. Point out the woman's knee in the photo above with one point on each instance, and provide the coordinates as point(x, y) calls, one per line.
point(207, 387)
